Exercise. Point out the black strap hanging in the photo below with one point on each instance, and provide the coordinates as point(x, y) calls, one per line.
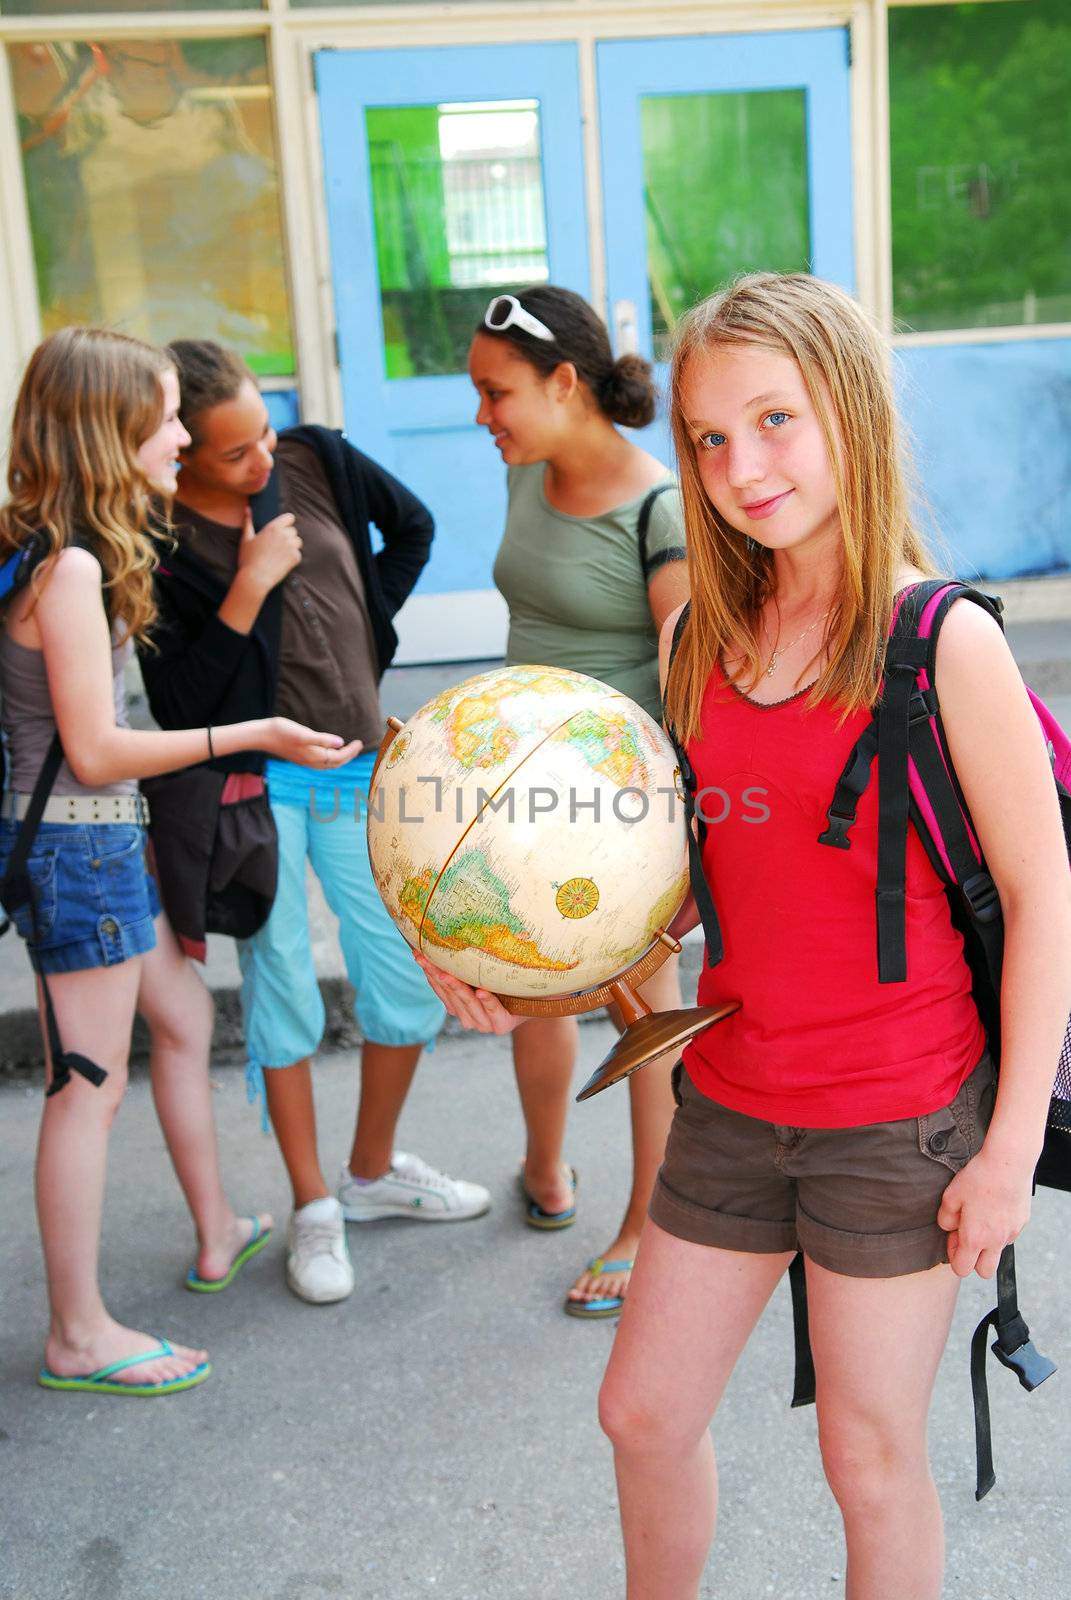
point(17, 891)
point(1014, 1349)
point(803, 1382)
point(903, 660)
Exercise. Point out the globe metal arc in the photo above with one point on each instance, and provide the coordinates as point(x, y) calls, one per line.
point(526, 833)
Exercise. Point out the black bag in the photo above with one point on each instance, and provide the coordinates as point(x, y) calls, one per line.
point(216, 863)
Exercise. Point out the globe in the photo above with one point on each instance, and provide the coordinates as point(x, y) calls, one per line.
point(526, 832)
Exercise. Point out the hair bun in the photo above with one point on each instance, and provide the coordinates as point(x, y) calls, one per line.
point(627, 393)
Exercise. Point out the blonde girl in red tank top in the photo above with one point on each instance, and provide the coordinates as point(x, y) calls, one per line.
point(832, 1114)
point(820, 1098)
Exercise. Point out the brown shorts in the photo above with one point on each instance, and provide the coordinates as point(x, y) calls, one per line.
point(861, 1201)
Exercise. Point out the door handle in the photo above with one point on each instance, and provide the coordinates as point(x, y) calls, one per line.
point(626, 328)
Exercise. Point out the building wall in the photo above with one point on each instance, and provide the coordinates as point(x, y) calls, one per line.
point(161, 170)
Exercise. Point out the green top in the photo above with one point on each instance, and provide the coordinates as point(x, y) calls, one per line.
point(576, 593)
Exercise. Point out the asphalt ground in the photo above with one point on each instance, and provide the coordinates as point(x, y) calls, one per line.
point(435, 1435)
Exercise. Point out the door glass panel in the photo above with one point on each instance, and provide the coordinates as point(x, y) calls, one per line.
point(725, 191)
point(457, 200)
point(152, 190)
point(981, 187)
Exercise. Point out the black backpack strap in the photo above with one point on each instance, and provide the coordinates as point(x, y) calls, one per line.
point(17, 890)
point(933, 763)
point(803, 1382)
point(903, 659)
point(675, 552)
point(694, 824)
point(1014, 1349)
point(265, 505)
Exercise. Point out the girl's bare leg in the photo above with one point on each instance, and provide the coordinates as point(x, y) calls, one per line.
point(544, 1055)
point(179, 1012)
point(95, 1012)
point(668, 1369)
point(877, 1343)
point(651, 1108)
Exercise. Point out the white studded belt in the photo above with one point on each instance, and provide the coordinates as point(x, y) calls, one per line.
point(82, 808)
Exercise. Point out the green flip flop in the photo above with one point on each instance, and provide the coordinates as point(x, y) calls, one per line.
point(98, 1382)
point(610, 1305)
point(258, 1239)
point(536, 1217)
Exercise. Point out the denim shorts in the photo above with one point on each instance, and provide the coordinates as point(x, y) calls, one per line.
point(859, 1201)
point(94, 900)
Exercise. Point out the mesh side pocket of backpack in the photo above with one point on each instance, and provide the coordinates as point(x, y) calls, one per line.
point(1060, 1106)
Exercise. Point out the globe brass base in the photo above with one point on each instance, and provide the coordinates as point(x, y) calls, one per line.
point(650, 1036)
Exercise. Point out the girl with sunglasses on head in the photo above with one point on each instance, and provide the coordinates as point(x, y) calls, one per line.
point(585, 591)
point(95, 437)
point(857, 1121)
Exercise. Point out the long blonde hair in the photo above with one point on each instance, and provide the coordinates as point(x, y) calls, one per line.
point(844, 364)
point(89, 398)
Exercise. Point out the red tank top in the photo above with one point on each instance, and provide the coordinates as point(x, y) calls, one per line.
point(818, 1041)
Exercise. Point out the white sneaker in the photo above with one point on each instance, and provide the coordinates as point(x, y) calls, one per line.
point(411, 1189)
point(317, 1262)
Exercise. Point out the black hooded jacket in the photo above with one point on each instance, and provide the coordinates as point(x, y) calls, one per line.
point(199, 671)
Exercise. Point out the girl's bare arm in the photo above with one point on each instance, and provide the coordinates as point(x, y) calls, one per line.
point(73, 630)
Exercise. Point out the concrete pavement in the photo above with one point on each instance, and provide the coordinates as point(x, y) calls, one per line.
point(435, 1435)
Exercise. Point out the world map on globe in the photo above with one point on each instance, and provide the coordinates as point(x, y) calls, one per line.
point(526, 831)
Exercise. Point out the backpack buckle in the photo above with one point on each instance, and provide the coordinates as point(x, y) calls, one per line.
point(836, 833)
point(1027, 1362)
point(922, 706)
point(980, 893)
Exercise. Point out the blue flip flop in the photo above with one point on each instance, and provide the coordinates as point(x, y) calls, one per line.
point(257, 1240)
point(611, 1305)
point(98, 1382)
point(536, 1217)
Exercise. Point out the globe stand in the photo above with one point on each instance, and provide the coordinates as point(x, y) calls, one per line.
point(647, 1034)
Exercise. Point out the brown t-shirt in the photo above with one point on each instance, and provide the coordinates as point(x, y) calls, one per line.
point(327, 664)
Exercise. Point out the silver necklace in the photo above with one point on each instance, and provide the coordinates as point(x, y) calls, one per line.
point(777, 652)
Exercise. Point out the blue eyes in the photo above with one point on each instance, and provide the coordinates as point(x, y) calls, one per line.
point(773, 419)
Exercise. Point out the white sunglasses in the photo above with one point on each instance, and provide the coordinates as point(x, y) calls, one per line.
point(506, 311)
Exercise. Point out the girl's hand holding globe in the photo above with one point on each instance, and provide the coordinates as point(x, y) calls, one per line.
point(474, 1008)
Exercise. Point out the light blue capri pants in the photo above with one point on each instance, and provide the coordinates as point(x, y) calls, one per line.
point(321, 818)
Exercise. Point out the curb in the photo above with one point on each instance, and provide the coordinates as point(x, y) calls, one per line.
point(21, 1058)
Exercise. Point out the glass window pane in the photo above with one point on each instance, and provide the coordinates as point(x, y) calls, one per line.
point(725, 191)
point(981, 186)
point(457, 200)
point(151, 181)
point(52, 8)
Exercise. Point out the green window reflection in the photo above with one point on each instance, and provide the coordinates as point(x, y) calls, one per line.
point(981, 185)
point(151, 183)
point(725, 191)
point(457, 201)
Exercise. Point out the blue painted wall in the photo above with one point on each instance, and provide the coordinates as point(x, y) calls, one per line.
point(991, 426)
point(283, 408)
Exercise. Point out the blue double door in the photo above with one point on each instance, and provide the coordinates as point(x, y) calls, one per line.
point(453, 174)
